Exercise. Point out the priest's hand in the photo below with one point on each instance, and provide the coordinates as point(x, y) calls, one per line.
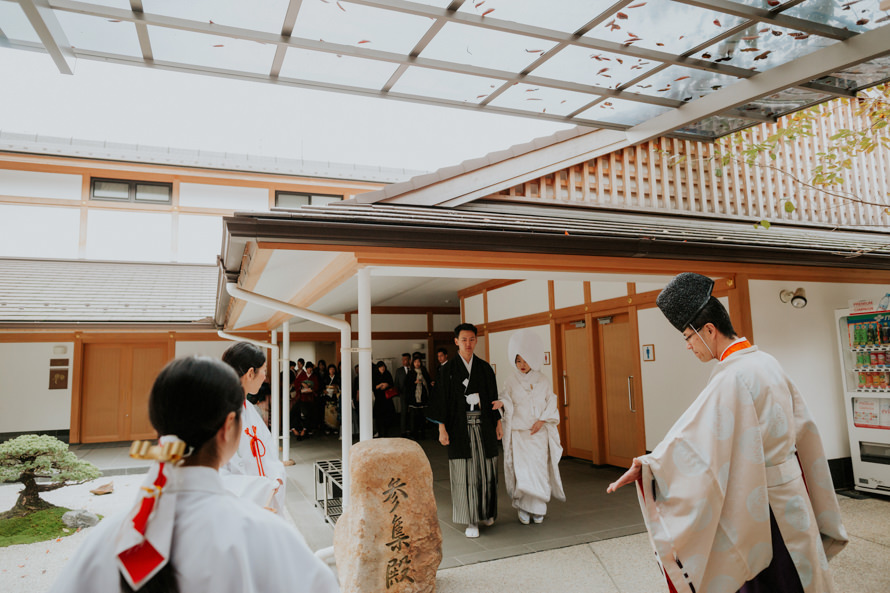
point(443, 435)
point(538, 425)
point(499, 430)
point(629, 476)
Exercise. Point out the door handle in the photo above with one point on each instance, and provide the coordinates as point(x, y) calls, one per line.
point(630, 393)
point(565, 391)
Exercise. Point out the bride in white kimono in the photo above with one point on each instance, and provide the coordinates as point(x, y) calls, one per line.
point(186, 532)
point(531, 439)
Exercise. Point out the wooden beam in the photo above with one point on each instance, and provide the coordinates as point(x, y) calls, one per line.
point(253, 262)
point(484, 286)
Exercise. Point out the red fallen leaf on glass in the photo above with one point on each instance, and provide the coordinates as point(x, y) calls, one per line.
point(663, 90)
point(607, 104)
point(773, 2)
point(637, 5)
point(212, 23)
point(563, 101)
point(621, 15)
point(364, 41)
point(530, 90)
point(340, 6)
point(480, 96)
point(219, 45)
point(113, 21)
point(776, 33)
point(882, 19)
point(681, 36)
point(480, 4)
point(750, 37)
point(533, 99)
point(629, 41)
point(717, 22)
point(681, 78)
point(862, 21)
point(632, 34)
point(659, 44)
point(614, 27)
point(534, 51)
point(544, 110)
point(763, 30)
point(567, 233)
point(763, 55)
point(636, 67)
point(607, 76)
point(601, 71)
point(619, 60)
point(489, 11)
point(706, 56)
point(750, 49)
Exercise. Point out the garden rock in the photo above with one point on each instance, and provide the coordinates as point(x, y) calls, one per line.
point(79, 518)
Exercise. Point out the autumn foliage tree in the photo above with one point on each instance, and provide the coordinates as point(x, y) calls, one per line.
point(32, 457)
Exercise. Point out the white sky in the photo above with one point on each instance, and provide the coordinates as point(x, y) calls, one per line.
point(160, 108)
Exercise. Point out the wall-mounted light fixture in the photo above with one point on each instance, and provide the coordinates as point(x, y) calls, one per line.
point(797, 298)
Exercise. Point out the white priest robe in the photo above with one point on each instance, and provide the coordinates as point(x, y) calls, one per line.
point(746, 445)
point(531, 461)
point(220, 545)
point(254, 470)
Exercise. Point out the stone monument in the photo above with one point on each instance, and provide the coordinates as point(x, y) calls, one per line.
point(388, 540)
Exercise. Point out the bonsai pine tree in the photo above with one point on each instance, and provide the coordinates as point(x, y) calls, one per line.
point(31, 457)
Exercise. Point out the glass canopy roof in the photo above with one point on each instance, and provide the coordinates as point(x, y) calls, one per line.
point(595, 63)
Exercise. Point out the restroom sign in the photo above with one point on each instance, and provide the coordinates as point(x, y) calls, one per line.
point(648, 352)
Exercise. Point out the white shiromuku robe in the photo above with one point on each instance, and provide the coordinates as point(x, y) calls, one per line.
point(531, 461)
point(747, 445)
point(219, 545)
point(253, 478)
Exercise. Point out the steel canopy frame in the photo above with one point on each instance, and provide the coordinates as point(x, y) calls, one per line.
point(41, 14)
point(467, 186)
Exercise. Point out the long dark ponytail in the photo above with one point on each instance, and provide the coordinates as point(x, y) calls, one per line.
point(243, 356)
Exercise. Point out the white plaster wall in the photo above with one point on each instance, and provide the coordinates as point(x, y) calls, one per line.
point(129, 236)
point(27, 402)
point(602, 291)
point(39, 231)
point(33, 184)
point(213, 349)
point(474, 311)
point(199, 239)
point(523, 298)
point(673, 380)
point(397, 323)
point(568, 293)
point(649, 286)
point(304, 350)
point(805, 342)
point(498, 355)
point(225, 197)
point(445, 323)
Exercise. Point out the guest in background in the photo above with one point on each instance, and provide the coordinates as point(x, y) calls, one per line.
point(383, 408)
point(418, 398)
point(405, 389)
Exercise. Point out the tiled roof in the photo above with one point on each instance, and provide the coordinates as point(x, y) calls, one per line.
point(549, 229)
point(54, 291)
point(182, 157)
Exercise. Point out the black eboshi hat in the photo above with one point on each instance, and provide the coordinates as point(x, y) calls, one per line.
point(684, 297)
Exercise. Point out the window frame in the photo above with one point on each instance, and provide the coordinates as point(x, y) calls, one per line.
point(279, 192)
point(131, 191)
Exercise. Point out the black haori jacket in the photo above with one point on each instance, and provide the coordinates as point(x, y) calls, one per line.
point(449, 405)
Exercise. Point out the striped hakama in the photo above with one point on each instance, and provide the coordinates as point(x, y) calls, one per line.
point(474, 481)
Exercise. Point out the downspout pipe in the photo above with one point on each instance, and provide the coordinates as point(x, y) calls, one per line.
point(273, 381)
point(345, 353)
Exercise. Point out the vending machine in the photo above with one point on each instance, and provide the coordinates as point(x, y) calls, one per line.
point(865, 363)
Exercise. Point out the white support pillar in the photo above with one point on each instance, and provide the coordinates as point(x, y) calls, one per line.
point(285, 389)
point(274, 399)
point(365, 403)
point(345, 346)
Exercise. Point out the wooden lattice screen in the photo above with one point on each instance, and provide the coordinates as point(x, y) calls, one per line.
point(642, 179)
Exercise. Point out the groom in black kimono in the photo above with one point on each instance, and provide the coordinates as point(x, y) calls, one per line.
point(462, 407)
